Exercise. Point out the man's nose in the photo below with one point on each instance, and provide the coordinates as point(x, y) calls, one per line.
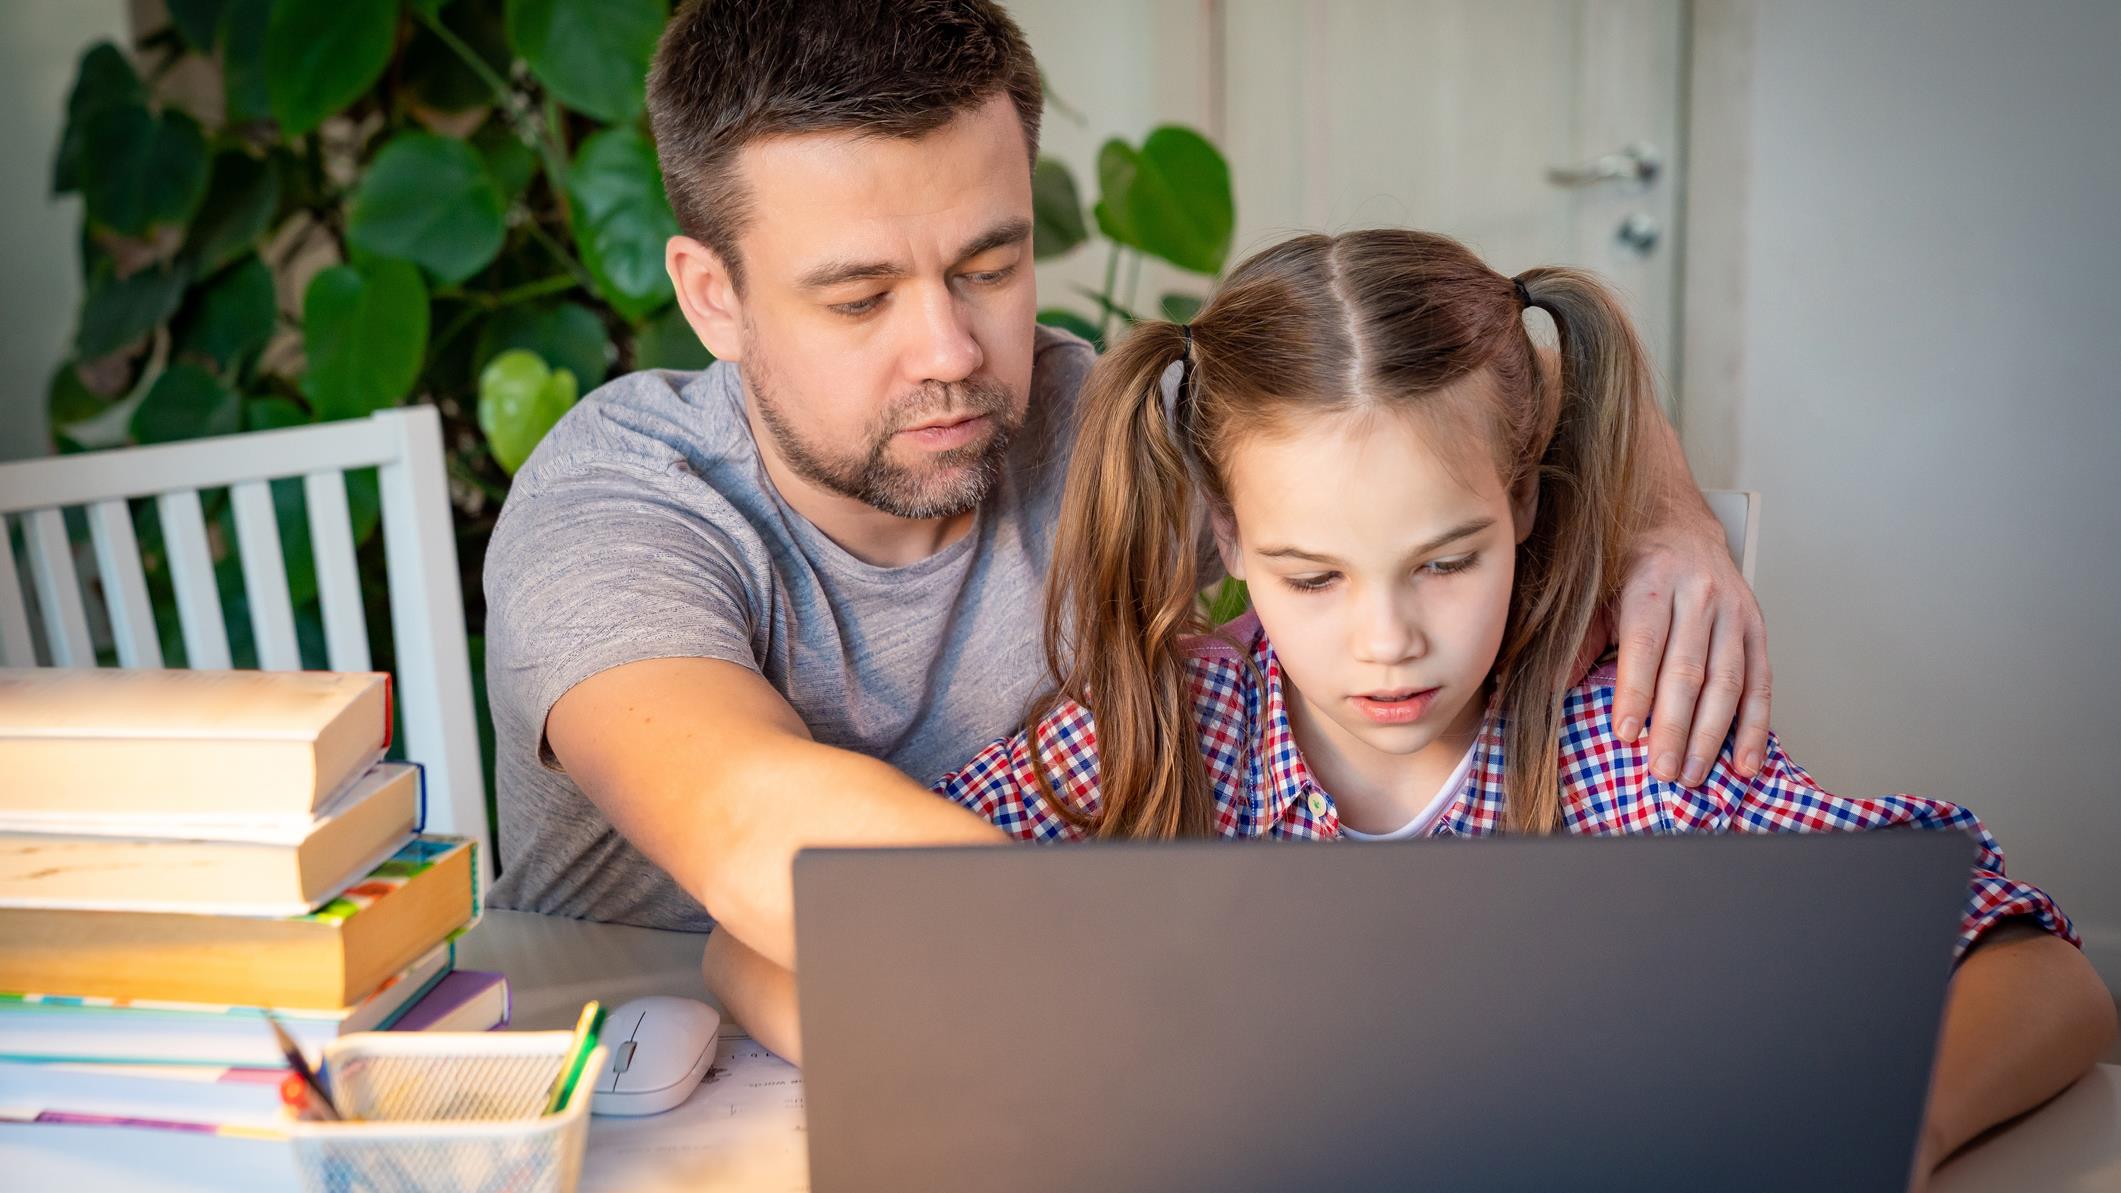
point(941, 346)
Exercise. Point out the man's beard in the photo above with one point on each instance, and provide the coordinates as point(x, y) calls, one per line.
point(943, 485)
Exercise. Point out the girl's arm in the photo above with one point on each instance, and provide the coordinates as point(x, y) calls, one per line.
point(2025, 1016)
point(1001, 785)
point(755, 992)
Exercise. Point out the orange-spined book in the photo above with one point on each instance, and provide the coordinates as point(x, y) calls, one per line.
point(324, 960)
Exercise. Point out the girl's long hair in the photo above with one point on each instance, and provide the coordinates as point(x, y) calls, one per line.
point(1382, 320)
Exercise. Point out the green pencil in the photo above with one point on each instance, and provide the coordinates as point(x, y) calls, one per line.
point(585, 1042)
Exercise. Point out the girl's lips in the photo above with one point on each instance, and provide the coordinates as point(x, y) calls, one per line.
point(1395, 712)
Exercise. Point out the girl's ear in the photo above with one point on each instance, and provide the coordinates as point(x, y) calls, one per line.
point(1226, 545)
point(1524, 503)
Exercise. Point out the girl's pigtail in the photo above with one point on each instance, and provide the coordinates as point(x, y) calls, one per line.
point(1121, 596)
point(1591, 501)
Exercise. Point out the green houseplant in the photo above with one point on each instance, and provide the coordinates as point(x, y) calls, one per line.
point(296, 212)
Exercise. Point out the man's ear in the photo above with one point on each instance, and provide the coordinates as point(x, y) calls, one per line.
point(1524, 503)
point(1226, 545)
point(707, 295)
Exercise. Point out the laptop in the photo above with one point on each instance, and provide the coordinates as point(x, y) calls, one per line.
point(1728, 1012)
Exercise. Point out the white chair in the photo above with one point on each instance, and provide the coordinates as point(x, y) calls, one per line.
point(433, 680)
point(1739, 511)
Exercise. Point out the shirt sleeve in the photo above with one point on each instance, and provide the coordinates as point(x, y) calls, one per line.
point(604, 569)
point(1782, 798)
point(1001, 784)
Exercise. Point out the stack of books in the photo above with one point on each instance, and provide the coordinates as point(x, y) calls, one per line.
point(183, 853)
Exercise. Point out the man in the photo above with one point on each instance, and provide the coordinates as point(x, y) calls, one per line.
point(760, 607)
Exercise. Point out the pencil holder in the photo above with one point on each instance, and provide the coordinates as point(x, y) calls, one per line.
point(447, 1111)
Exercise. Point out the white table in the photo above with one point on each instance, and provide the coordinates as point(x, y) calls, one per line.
point(2071, 1145)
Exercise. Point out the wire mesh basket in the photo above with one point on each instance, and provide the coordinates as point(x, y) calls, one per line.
point(457, 1111)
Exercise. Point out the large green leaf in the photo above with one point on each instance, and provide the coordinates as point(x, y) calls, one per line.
point(668, 342)
point(508, 160)
point(240, 203)
point(1056, 211)
point(365, 328)
point(1170, 198)
point(1068, 320)
point(67, 400)
point(186, 402)
point(591, 54)
point(243, 75)
point(429, 200)
point(230, 319)
point(139, 169)
point(273, 414)
point(321, 55)
point(519, 400)
point(120, 311)
point(198, 20)
point(621, 220)
point(104, 80)
point(568, 334)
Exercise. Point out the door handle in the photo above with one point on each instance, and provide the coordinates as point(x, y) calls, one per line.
point(1639, 163)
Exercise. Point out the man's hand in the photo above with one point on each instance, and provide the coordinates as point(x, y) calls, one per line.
point(1692, 640)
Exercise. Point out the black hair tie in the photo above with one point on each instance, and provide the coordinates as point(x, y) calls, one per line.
point(1524, 296)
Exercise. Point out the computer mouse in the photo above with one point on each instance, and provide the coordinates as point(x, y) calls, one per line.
point(660, 1047)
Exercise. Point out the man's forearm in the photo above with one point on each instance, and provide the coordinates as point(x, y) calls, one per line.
point(755, 993)
point(2026, 1016)
point(1676, 501)
point(802, 794)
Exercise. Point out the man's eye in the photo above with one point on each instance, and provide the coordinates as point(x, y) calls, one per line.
point(858, 307)
point(991, 277)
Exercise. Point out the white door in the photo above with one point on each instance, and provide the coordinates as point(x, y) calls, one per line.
point(1539, 131)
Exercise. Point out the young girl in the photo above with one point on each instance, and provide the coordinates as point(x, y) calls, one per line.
point(1426, 523)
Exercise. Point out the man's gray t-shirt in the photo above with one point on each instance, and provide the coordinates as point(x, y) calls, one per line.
point(644, 527)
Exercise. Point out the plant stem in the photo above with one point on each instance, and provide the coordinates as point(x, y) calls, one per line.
point(1104, 309)
point(556, 284)
point(551, 157)
point(560, 253)
point(1134, 280)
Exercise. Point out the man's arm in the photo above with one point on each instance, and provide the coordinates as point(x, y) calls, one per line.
point(709, 772)
point(1691, 636)
point(2026, 1016)
point(755, 992)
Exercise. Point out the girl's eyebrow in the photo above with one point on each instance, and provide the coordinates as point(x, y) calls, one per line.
point(1469, 527)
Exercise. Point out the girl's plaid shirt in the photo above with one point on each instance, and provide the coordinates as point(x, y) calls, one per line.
point(1263, 788)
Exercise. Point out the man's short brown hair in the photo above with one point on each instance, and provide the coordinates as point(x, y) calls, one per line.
point(729, 72)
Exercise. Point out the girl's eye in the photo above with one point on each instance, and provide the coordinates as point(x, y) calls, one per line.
point(1311, 583)
point(1450, 567)
point(858, 307)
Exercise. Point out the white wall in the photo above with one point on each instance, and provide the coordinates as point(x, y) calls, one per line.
point(40, 42)
point(1920, 324)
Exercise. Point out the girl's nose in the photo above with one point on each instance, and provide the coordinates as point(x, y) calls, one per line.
point(1390, 632)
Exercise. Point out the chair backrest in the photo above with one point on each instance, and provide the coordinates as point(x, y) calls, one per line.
point(1739, 511)
point(433, 678)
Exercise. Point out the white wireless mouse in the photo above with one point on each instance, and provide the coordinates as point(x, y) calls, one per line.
point(660, 1047)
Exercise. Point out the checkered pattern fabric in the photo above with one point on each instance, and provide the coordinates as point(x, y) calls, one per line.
point(1263, 788)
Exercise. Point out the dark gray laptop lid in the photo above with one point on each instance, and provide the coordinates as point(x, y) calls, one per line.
point(1734, 1012)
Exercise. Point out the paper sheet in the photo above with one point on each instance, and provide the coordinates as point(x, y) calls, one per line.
point(742, 1130)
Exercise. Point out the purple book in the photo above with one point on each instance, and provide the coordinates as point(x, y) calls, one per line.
point(464, 1000)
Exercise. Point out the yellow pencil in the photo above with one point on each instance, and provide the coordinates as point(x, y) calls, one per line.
point(585, 1042)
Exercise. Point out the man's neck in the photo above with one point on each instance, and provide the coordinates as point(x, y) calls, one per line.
point(856, 527)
